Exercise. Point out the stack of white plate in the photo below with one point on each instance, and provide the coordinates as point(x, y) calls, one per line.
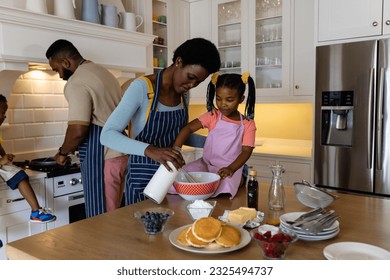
point(327, 233)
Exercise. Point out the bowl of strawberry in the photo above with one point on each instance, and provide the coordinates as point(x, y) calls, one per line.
point(274, 245)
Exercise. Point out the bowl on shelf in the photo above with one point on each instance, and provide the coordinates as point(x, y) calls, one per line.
point(274, 245)
point(206, 184)
point(154, 219)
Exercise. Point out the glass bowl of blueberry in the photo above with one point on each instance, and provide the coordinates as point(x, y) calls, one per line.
point(154, 219)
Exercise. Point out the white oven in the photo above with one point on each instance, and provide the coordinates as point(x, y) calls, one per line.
point(65, 196)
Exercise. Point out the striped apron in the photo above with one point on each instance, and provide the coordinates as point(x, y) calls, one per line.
point(160, 130)
point(92, 171)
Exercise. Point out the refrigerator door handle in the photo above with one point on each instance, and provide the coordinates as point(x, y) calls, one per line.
point(379, 119)
point(369, 125)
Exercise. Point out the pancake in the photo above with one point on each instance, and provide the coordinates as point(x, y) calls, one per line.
point(230, 236)
point(207, 229)
point(193, 241)
point(181, 237)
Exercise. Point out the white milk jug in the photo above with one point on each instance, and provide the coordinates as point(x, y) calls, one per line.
point(37, 6)
point(160, 183)
point(64, 8)
point(129, 21)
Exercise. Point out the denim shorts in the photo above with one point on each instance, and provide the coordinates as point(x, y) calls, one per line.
point(18, 177)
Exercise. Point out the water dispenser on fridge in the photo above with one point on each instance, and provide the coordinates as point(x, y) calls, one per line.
point(337, 118)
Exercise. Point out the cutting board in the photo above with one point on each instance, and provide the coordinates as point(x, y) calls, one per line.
point(117, 3)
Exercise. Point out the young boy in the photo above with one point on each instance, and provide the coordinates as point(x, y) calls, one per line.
point(17, 178)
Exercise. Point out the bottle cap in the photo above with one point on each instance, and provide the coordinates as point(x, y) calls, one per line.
point(252, 172)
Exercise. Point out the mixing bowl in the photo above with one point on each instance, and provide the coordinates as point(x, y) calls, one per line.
point(205, 186)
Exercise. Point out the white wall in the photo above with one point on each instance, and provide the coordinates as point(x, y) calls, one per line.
point(37, 116)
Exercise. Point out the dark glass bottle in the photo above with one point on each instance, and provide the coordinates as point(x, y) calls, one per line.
point(252, 189)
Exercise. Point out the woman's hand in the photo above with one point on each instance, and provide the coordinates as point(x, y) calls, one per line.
point(162, 155)
point(225, 172)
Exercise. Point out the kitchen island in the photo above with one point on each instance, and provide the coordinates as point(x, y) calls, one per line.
point(117, 235)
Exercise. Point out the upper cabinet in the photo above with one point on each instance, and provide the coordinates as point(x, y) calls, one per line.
point(347, 19)
point(259, 36)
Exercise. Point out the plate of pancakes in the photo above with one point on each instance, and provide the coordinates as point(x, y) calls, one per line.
point(209, 236)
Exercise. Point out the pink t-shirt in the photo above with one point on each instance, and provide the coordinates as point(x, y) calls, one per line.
point(209, 121)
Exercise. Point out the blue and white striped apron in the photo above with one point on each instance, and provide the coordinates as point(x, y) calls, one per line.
point(161, 130)
point(92, 171)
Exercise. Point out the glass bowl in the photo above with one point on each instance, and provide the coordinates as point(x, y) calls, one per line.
point(154, 219)
point(274, 245)
point(200, 208)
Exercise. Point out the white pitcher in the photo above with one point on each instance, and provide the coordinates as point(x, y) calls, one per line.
point(110, 15)
point(129, 21)
point(37, 6)
point(64, 8)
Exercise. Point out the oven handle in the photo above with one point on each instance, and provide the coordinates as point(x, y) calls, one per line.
point(75, 197)
point(15, 200)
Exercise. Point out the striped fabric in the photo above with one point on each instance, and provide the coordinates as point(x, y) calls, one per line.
point(160, 130)
point(92, 171)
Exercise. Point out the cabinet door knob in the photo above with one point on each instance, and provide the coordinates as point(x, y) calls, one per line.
point(296, 87)
point(388, 22)
point(375, 23)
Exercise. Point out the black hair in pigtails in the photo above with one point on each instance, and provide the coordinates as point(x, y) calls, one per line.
point(210, 97)
point(251, 100)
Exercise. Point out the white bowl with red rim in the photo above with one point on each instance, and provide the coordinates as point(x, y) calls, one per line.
point(206, 185)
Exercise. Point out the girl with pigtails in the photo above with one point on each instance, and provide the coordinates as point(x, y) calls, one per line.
point(231, 135)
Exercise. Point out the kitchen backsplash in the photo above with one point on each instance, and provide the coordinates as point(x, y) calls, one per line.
point(37, 116)
point(284, 121)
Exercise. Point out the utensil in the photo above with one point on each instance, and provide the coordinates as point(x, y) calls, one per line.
point(110, 15)
point(188, 176)
point(65, 8)
point(129, 21)
point(91, 11)
point(316, 226)
point(312, 196)
point(37, 6)
point(309, 214)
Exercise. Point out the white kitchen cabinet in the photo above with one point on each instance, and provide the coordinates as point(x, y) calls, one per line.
point(346, 19)
point(273, 40)
point(15, 214)
point(303, 49)
point(296, 169)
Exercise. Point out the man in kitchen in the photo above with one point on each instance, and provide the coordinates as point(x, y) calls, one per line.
point(92, 93)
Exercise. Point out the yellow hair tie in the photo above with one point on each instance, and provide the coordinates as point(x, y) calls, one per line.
point(244, 77)
point(214, 78)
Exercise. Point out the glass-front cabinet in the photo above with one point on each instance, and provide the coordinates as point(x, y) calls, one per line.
point(269, 43)
point(253, 35)
point(228, 34)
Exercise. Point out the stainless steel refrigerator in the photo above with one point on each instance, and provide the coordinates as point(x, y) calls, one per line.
point(352, 129)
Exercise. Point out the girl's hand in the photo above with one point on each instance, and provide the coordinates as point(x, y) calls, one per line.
point(225, 172)
point(162, 155)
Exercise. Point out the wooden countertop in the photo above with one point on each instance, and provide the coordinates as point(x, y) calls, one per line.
point(117, 235)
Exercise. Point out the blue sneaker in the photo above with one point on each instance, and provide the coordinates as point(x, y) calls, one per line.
point(42, 215)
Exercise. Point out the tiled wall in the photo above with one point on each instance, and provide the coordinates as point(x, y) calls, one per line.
point(37, 116)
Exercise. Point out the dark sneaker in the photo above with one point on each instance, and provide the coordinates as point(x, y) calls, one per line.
point(42, 215)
